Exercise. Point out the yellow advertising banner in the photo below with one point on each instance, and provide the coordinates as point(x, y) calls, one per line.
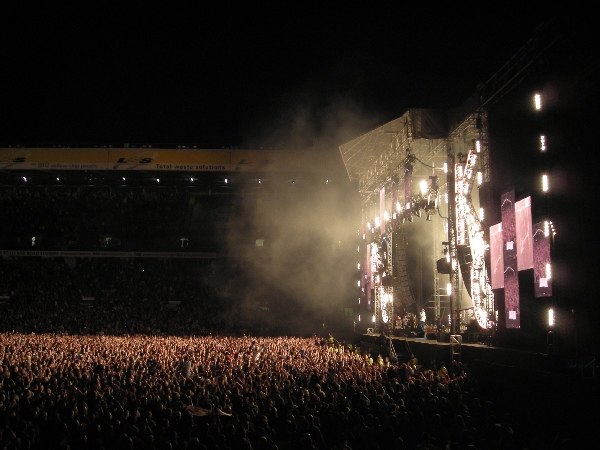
point(151, 159)
point(53, 159)
point(167, 159)
point(266, 160)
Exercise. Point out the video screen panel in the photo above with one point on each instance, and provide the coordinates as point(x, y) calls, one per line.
point(524, 234)
point(509, 253)
point(496, 257)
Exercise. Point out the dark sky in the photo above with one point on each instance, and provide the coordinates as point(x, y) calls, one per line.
point(278, 77)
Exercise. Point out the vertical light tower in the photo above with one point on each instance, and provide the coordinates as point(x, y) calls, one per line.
point(450, 178)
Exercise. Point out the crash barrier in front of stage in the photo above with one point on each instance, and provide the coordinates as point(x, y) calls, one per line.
point(373, 345)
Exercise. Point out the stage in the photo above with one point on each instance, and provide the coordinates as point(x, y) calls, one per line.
point(474, 353)
point(539, 390)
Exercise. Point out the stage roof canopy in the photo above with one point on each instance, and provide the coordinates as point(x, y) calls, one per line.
point(374, 155)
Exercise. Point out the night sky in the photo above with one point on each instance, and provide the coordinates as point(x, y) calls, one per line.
point(287, 76)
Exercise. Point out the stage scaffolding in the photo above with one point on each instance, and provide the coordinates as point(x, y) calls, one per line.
point(388, 163)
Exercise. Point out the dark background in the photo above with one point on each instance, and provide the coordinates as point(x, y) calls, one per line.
point(283, 76)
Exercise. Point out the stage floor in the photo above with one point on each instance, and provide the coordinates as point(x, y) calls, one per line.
point(435, 351)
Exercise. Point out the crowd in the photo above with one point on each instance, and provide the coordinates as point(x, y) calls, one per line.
point(131, 296)
point(127, 371)
point(100, 217)
point(109, 295)
point(158, 353)
point(61, 391)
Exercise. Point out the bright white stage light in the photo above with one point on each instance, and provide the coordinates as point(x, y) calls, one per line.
point(542, 143)
point(537, 102)
point(545, 183)
point(551, 321)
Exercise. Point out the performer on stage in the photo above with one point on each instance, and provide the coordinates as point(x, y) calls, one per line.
point(422, 319)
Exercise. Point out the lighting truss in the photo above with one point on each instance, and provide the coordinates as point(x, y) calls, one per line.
point(469, 231)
